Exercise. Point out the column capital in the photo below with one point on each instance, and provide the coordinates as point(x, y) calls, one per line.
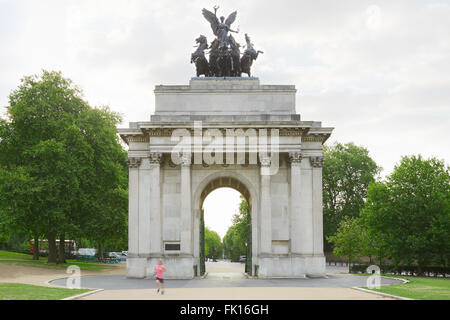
point(264, 160)
point(317, 162)
point(155, 157)
point(133, 162)
point(186, 159)
point(295, 157)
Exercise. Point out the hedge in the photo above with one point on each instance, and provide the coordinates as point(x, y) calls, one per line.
point(405, 270)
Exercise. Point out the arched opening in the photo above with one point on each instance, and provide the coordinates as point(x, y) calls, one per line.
point(219, 194)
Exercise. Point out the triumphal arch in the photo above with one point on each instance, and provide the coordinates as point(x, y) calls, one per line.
point(225, 130)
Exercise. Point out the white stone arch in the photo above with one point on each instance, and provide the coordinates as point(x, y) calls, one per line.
point(221, 177)
point(165, 199)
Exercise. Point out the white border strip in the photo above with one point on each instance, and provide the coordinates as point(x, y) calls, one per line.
point(62, 278)
point(381, 294)
point(82, 295)
point(386, 294)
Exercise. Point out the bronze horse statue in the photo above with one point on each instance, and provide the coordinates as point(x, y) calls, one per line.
point(198, 57)
point(250, 54)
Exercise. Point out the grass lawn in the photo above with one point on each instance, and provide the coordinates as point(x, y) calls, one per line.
point(420, 288)
point(27, 260)
point(17, 291)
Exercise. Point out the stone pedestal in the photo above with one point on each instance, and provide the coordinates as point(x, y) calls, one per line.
point(166, 198)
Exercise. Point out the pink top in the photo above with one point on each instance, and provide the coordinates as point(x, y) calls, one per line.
point(159, 270)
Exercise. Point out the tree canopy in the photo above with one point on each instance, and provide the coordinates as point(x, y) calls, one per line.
point(410, 212)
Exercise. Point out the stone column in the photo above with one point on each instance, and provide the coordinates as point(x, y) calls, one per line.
point(295, 159)
point(305, 233)
point(265, 207)
point(144, 208)
point(133, 206)
point(136, 265)
point(186, 210)
point(317, 163)
point(155, 205)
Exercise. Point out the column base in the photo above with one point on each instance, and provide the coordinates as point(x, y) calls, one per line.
point(291, 267)
point(316, 266)
point(177, 267)
point(137, 268)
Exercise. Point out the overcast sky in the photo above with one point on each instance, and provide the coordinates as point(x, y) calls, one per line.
point(377, 71)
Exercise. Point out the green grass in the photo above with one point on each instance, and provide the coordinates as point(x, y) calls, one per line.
point(14, 255)
point(17, 291)
point(7, 257)
point(420, 288)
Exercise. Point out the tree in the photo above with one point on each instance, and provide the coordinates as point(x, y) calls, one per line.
point(69, 156)
point(213, 244)
point(105, 203)
point(233, 244)
point(236, 241)
point(347, 172)
point(41, 139)
point(373, 217)
point(410, 212)
point(350, 239)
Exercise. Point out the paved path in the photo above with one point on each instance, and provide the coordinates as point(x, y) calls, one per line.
point(221, 280)
point(226, 281)
point(262, 293)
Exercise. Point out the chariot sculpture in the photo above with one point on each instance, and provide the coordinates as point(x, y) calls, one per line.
point(224, 52)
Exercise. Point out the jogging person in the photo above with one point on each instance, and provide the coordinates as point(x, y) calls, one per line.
point(159, 271)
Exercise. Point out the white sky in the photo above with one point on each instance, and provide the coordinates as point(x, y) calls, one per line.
point(219, 207)
point(377, 71)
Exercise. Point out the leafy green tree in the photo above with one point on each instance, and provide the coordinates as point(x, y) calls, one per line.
point(350, 239)
point(410, 212)
point(213, 244)
point(40, 139)
point(69, 157)
point(372, 216)
point(236, 240)
point(233, 244)
point(104, 207)
point(347, 172)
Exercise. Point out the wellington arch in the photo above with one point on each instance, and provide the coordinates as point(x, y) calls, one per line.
point(282, 185)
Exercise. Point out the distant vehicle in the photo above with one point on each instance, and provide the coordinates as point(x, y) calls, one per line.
point(87, 252)
point(242, 258)
point(125, 253)
point(69, 245)
point(113, 255)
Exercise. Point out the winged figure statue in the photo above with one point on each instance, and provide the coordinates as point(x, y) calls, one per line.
point(222, 27)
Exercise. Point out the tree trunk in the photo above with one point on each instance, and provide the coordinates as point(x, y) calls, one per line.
point(52, 250)
point(36, 247)
point(419, 270)
point(62, 248)
point(100, 252)
point(202, 244)
point(248, 262)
